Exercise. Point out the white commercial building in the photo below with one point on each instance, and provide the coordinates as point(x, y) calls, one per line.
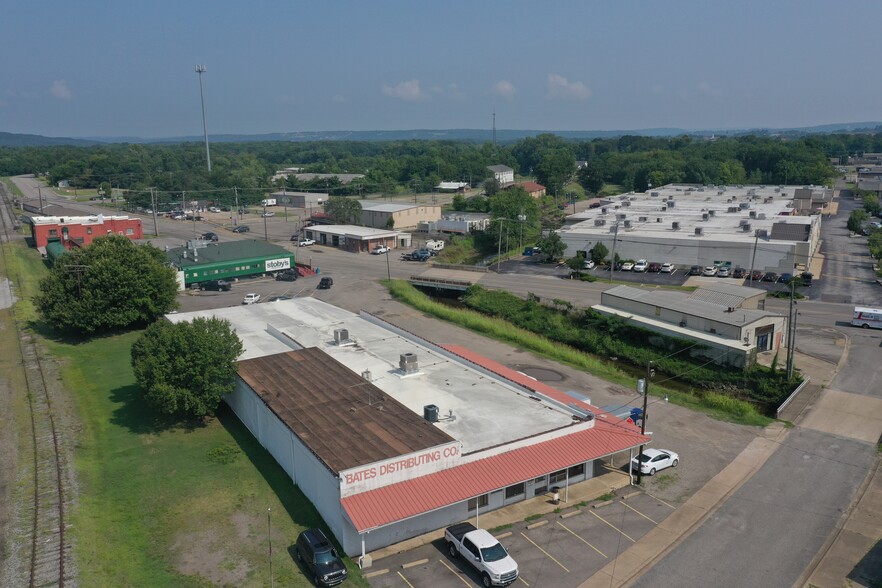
point(391, 436)
point(747, 226)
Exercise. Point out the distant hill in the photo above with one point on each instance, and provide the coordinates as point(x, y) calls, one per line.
point(474, 135)
point(20, 140)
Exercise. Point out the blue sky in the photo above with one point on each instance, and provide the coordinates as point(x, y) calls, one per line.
point(121, 68)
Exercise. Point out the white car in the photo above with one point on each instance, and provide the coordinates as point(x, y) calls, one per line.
point(627, 266)
point(641, 265)
point(724, 272)
point(589, 264)
point(380, 250)
point(306, 242)
point(213, 209)
point(655, 460)
point(709, 271)
point(668, 268)
point(251, 298)
point(268, 214)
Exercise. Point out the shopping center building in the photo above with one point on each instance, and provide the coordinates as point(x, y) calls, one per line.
point(392, 436)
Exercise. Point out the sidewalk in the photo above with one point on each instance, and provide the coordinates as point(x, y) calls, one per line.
point(610, 481)
point(656, 544)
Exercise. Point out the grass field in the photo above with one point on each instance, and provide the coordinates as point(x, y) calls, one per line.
point(163, 503)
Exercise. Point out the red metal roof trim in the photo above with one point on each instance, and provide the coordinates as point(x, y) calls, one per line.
point(386, 505)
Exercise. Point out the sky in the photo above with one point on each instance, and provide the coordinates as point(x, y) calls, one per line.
point(111, 68)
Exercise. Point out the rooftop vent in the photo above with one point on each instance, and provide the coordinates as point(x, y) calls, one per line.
point(705, 216)
point(752, 214)
point(675, 225)
point(627, 224)
point(603, 210)
point(711, 212)
point(699, 231)
point(430, 413)
point(621, 216)
point(653, 194)
point(626, 203)
point(745, 227)
point(341, 336)
point(658, 219)
point(408, 364)
point(599, 222)
point(743, 222)
point(744, 205)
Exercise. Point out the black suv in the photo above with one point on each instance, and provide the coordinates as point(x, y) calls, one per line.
point(695, 270)
point(325, 283)
point(320, 558)
point(241, 229)
point(287, 275)
point(221, 285)
point(209, 236)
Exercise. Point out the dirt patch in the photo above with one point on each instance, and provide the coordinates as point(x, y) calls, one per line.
point(204, 553)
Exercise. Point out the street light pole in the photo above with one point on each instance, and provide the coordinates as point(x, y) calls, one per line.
point(791, 330)
point(612, 259)
point(649, 373)
point(200, 69)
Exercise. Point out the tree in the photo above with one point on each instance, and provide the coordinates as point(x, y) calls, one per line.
point(491, 186)
point(343, 210)
point(576, 263)
point(111, 284)
point(855, 219)
point(589, 178)
point(185, 369)
point(599, 253)
point(555, 169)
point(552, 246)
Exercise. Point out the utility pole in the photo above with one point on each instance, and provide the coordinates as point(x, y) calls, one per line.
point(265, 236)
point(649, 374)
point(269, 535)
point(494, 129)
point(612, 259)
point(753, 258)
point(791, 330)
point(200, 69)
point(236, 193)
point(40, 193)
point(153, 208)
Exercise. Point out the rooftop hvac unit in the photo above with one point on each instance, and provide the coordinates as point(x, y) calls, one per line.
point(658, 219)
point(732, 209)
point(699, 231)
point(705, 216)
point(711, 212)
point(671, 204)
point(777, 189)
point(653, 194)
point(743, 222)
point(408, 364)
point(675, 225)
point(341, 335)
point(752, 214)
point(599, 222)
point(763, 233)
point(603, 210)
point(621, 216)
point(719, 193)
point(761, 216)
point(627, 224)
point(626, 203)
point(643, 219)
point(744, 205)
point(430, 413)
point(617, 206)
point(745, 227)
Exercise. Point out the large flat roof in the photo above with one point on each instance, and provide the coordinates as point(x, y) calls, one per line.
point(344, 419)
point(488, 410)
point(214, 252)
point(726, 208)
point(374, 206)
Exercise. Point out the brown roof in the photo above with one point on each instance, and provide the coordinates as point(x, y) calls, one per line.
point(791, 232)
point(327, 406)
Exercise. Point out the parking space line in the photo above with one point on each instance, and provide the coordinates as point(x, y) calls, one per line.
point(640, 513)
point(522, 580)
point(446, 565)
point(612, 526)
point(405, 580)
point(579, 537)
point(660, 500)
point(551, 557)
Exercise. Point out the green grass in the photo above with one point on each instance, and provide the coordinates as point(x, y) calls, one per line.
point(532, 517)
point(12, 187)
point(611, 190)
point(153, 493)
point(501, 528)
point(605, 497)
point(502, 330)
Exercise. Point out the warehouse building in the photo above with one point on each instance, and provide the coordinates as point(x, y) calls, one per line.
point(728, 321)
point(386, 215)
point(201, 261)
point(300, 199)
point(747, 226)
point(391, 436)
point(356, 239)
point(73, 231)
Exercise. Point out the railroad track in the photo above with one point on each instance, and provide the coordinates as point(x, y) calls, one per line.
point(46, 561)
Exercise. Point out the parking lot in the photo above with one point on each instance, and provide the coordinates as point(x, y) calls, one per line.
point(559, 549)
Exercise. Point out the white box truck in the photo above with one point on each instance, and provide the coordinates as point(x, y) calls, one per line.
point(268, 202)
point(867, 318)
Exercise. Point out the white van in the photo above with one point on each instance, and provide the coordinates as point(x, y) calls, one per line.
point(868, 318)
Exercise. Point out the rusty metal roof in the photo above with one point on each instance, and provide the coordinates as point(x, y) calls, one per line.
point(344, 419)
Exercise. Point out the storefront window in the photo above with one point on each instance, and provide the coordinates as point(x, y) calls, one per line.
point(558, 477)
point(481, 501)
point(577, 470)
point(515, 491)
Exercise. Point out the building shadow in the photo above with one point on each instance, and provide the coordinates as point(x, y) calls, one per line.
point(868, 570)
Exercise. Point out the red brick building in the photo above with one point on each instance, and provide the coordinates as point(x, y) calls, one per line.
point(81, 230)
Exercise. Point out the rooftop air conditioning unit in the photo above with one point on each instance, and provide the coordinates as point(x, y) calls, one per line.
point(653, 194)
point(745, 227)
point(603, 210)
point(626, 203)
point(711, 212)
point(627, 224)
point(643, 219)
point(699, 231)
point(732, 209)
point(617, 206)
point(705, 216)
point(599, 222)
point(341, 336)
point(675, 225)
point(761, 216)
point(621, 216)
point(658, 219)
point(763, 233)
point(744, 205)
point(430, 413)
point(743, 222)
point(671, 204)
point(408, 364)
point(752, 214)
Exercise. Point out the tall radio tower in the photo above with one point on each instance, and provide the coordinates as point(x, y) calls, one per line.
point(200, 69)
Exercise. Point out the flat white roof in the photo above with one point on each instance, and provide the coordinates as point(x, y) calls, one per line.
point(487, 410)
point(727, 209)
point(353, 231)
point(373, 206)
point(76, 220)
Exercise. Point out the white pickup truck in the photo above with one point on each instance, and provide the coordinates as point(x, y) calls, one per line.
point(481, 549)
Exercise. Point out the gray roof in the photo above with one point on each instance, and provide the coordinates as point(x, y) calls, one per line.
point(499, 168)
point(790, 232)
point(681, 302)
point(223, 252)
point(728, 295)
point(374, 206)
point(344, 178)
